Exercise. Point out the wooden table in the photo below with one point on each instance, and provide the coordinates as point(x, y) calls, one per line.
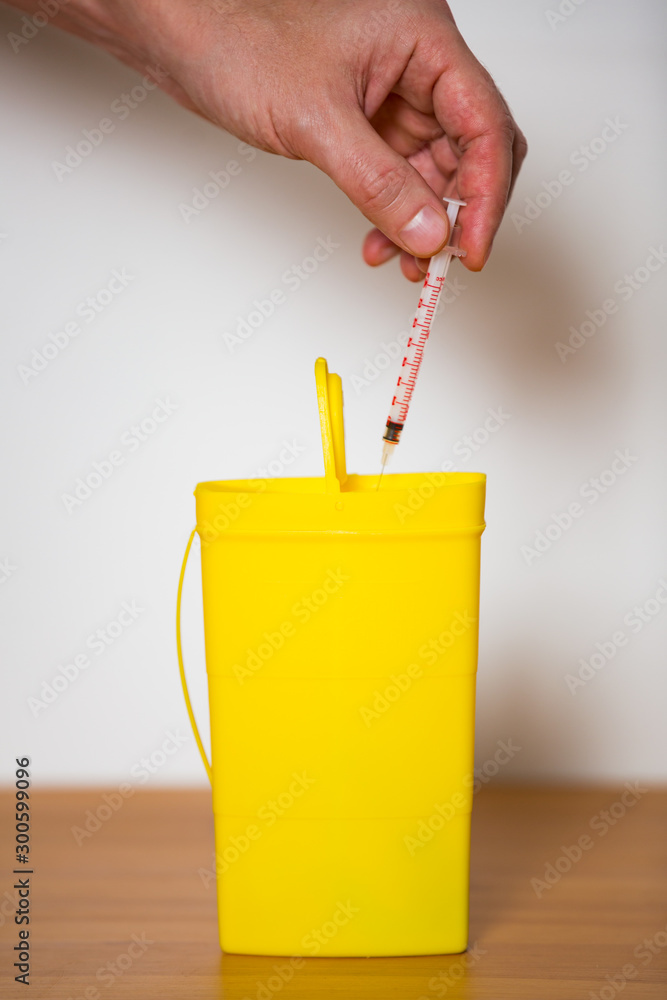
point(137, 875)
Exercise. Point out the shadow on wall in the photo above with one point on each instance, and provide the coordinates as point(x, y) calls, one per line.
point(569, 417)
point(540, 728)
point(524, 304)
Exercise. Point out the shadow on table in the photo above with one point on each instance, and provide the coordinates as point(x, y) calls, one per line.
point(421, 978)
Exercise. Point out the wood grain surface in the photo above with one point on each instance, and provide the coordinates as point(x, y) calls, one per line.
point(590, 926)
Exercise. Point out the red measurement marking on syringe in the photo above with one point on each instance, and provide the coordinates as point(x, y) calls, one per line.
point(422, 321)
point(415, 347)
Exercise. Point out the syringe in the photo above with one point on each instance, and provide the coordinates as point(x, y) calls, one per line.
point(421, 327)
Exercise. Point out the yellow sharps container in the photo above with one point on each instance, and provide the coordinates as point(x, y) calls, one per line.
point(341, 626)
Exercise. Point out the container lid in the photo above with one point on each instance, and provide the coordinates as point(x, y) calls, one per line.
point(340, 502)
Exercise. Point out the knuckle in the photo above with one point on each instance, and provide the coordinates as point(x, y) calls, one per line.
point(382, 188)
point(299, 131)
point(502, 128)
point(521, 145)
point(506, 126)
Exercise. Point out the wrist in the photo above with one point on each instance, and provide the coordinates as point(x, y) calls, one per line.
point(119, 26)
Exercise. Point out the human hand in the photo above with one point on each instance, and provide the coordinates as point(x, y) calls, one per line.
point(383, 95)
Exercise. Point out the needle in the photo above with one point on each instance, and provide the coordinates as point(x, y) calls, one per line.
point(380, 476)
point(387, 452)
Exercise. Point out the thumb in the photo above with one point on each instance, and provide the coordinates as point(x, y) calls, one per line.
point(383, 185)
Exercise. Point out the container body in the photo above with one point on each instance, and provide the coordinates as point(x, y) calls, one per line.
point(341, 659)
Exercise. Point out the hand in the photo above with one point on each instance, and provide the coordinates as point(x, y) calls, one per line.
point(382, 95)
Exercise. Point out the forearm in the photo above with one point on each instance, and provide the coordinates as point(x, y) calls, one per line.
point(90, 19)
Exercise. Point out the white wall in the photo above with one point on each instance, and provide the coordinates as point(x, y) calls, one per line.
point(494, 347)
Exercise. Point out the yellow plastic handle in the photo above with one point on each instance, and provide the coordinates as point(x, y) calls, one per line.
point(184, 682)
point(330, 406)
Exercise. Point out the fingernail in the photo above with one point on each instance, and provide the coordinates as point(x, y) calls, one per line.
point(426, 233)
